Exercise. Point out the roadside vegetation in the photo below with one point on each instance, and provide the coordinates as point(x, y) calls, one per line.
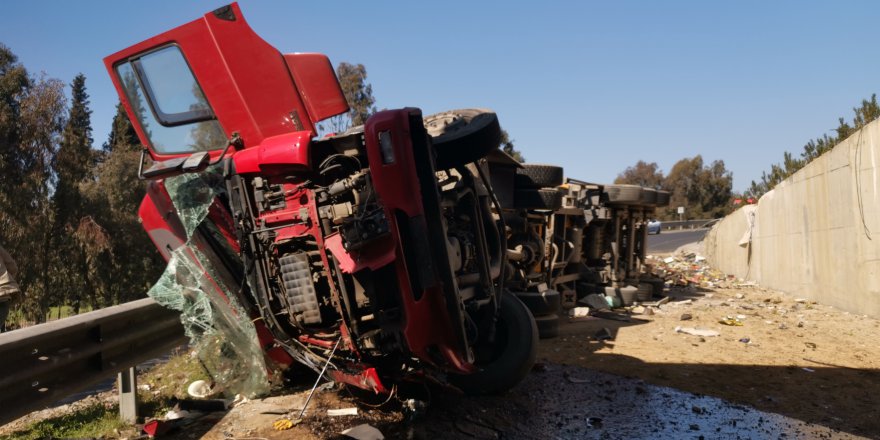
point(98, 416)
point(864, 114)
point(705, 190)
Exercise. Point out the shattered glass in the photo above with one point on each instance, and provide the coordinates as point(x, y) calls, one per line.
point(219, 328)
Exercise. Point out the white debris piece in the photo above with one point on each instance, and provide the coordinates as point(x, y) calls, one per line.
point(199, 389)
point(697, 331)
point(579, 312)
point(343, 412)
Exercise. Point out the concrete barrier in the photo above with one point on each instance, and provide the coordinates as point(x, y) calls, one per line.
point(817, 234)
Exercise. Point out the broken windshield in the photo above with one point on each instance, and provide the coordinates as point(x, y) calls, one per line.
point(169, 103)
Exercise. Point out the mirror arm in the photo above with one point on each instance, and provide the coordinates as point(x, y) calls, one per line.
point(235, 141)
point(141, 164)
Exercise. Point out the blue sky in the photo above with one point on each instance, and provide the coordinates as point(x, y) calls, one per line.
point(592, 86)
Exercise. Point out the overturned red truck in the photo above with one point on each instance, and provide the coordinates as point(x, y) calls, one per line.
point(378, 252)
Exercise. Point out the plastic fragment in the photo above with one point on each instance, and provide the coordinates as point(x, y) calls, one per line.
point(731, 320)
point(579, 312)
point(697, 331)
point(342, 412)
point(282, 425)
point(363, 432)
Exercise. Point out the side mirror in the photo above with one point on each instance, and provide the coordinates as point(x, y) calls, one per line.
point(167, 168)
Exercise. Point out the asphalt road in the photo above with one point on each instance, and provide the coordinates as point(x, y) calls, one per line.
point(668, 241)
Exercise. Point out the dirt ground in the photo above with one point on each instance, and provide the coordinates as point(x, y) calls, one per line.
point(815, 366)
point(792, 357)
point(805, 361)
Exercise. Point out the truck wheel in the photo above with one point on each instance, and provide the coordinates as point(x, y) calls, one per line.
point(548, 326)
point(544, 303)
point(546, 199)
point(648, 197)
point(662, 198)
point(506, 361)
point(538, 176)
point(624, 194)
point(463, 136)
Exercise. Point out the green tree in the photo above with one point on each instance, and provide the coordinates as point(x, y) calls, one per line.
point(704, 190)
point(359, 95)
point(868, 111)
point(14, 84)
point(74, 165)
point(507, 147)
point(27, 211)
point(122, 131)
point(642, 174)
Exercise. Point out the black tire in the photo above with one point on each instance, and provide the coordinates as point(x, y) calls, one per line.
point(648, 197)
point(463, 136)
point(624, 194)
point(547, 302)
point(546, 199)
point(548, 326)
point(662, 198)
point(510, 358)
point(538, 176)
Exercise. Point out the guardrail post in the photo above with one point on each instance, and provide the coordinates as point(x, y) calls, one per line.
point(126, 381)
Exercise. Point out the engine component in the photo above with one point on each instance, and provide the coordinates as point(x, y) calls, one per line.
point(300, 293)
point(359, 231)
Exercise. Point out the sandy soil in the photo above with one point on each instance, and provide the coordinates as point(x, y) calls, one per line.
point(792, 357)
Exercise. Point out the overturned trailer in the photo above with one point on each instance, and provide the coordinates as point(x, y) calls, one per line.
point(569, 238)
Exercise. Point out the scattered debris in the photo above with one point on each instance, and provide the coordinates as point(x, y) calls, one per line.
point(363, 432)
point(639, 310)
point(615, 316)
point(686, 317)
point(603, 335)
point(595, 301)
point(810, 345)
point(745, 340)
point(282, 424)
point(692, 270)
point(342, 412)
point(808, 370)
point(199, 389)
point(731, 320)
point(414, 408)
point(579, 312)
point(697, 331)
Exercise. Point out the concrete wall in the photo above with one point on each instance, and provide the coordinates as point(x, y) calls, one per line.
point(817, 234)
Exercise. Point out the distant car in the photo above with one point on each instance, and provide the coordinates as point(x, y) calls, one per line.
point(654, 227)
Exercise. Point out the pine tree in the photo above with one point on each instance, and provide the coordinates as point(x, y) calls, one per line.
point(74, 164)
point(122, 132)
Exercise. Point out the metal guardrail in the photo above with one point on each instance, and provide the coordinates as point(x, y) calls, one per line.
point(673, 225)
point(48, 362)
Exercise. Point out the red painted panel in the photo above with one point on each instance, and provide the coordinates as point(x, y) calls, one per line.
point(428, 325)
point(318, 87)
point(276, 153)
point(246, 80)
